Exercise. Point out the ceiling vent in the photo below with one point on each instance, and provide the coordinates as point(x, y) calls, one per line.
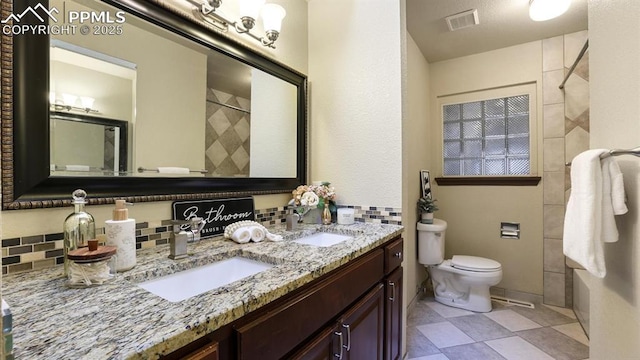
point(462, 20)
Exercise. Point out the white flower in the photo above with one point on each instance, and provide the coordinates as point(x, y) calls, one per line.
point(309, 199)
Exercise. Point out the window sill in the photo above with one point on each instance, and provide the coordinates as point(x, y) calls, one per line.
point(488, 180)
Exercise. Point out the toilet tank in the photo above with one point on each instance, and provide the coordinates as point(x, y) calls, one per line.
point(431, 242)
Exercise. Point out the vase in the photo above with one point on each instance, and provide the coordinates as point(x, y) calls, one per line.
point(313, 216)
point(326, 214)
point(427, 218)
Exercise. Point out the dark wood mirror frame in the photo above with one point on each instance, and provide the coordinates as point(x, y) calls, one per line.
point(26, 182)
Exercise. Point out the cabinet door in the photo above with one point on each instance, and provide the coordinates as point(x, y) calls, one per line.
point(393, 311)
point(363, 327)
point(326, 346)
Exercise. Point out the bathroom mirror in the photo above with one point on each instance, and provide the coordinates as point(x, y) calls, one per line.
point(274, 146)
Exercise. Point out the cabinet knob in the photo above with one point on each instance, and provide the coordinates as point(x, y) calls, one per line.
point(398, 254)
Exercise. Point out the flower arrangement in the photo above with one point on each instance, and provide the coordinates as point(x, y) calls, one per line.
point(313, 195)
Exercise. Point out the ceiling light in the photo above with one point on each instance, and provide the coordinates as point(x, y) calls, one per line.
point(541, 10)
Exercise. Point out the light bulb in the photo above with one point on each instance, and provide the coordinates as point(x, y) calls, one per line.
point(272, 15)
point(52, 97)
point(87, 102)
point(250, 9)
point(69, 100)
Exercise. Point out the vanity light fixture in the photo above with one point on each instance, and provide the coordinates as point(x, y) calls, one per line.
point(272, 15)
point(542, 10)
point(69, 101)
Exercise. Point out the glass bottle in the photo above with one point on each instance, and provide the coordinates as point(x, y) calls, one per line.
point(326, 214)
point(79, 227)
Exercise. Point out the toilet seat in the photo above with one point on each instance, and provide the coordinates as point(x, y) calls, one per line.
point(474, 263)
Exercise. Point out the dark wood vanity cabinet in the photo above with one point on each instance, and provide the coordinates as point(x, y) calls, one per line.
point(353, 312)
point(393, 300)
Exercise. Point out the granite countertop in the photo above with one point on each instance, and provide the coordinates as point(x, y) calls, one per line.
point(120, 320)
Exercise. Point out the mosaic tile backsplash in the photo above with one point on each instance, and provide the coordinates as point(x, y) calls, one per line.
point(46, 250)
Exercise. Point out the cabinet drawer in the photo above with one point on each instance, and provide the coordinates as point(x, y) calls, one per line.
point(279, 331)
point(393, 255)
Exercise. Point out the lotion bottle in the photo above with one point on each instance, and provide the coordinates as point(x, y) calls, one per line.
point(79, 227)
point(121, 233)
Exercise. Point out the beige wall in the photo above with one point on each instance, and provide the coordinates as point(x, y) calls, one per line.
point(416, 150)
point(614, 55)
point(474, 213)
point(356, 100)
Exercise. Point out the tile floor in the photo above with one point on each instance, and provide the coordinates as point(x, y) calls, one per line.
point(511, 332)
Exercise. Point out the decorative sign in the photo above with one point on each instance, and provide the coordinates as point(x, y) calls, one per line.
point(217, 214)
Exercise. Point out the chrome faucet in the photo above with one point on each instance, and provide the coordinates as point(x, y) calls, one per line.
point(197, 224)
point(178, 240)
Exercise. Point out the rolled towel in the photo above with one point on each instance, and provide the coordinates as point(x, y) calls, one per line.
point(257, 233)
point(241, 235)
point(173, 170)
point(274, 237)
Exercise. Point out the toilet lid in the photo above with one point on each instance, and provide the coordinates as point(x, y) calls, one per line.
point(474, 263)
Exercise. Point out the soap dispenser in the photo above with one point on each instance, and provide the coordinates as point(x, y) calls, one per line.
point(79, 227)
point(121, 233)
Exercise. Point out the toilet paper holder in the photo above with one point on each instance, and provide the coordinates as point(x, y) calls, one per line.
point(510, 230)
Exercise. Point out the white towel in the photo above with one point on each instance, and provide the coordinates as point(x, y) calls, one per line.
point(173, 170)
point(257, 233)
point(613, 198)
point(77, 168)
point(589, 218)
point(274, 237)
point(241, 235)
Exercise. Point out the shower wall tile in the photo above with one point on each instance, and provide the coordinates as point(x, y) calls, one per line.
point(553, 256)
point(553, 154)
point(581, 121)
point(573, 43)
point(554, 289)
point(553, 217)
point(551, 93)
point(576, 142)
point(227, 135)
point(553, 120)
point(568, 287)
point(576, 97)
point(553, 190)
point(552, 53)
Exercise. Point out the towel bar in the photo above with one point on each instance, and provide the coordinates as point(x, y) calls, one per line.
point(616, 152)
point(141, 169)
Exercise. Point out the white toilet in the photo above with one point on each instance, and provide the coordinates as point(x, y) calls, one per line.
point(461, 282)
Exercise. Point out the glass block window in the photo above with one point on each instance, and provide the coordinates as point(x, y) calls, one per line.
point(489, 137)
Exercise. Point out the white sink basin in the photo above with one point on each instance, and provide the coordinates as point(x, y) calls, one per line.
point(323, 239)
point(185, 284)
